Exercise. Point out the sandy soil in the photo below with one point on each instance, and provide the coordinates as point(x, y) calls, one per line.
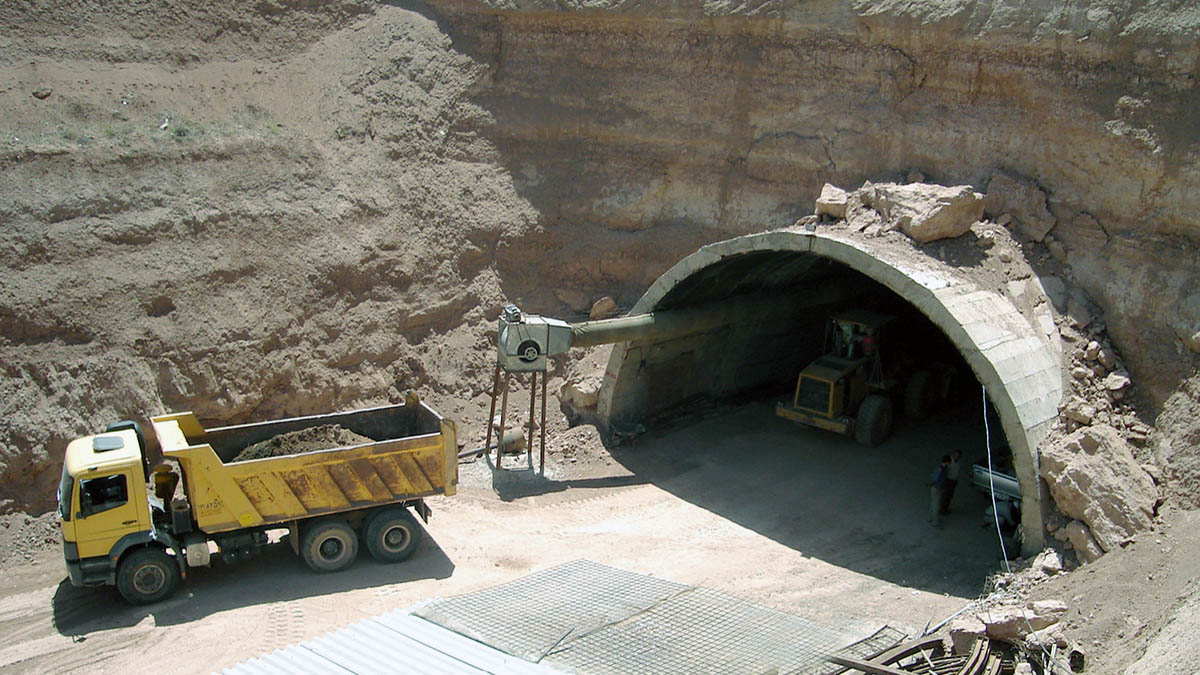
point(323, 437)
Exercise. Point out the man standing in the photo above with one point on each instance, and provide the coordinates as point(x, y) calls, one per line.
point(952, 473)
point(937, 486)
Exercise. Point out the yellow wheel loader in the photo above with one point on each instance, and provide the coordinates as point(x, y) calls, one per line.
point(850, 389)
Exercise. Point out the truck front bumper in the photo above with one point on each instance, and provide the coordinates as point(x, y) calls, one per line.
point(787, 412)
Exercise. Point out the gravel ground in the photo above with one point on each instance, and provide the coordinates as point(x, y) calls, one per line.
point(24, 537)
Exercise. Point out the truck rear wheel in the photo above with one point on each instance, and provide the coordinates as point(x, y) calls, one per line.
point(329, 546)
point(147, 575)
point(874, 421)
point(392, 535)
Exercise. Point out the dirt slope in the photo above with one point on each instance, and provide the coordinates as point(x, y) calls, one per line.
point(257, 229)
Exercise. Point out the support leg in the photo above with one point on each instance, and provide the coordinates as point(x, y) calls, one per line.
point(532, 407)
point(543, 460)
point(503, 418)
point(487, 441)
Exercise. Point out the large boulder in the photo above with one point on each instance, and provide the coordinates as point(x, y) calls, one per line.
point(1023, 200)
point(926, 212)
point(1094, 478)
point(832, 201)
point(580, 390)
point(1010, 623)
point(1085, 545)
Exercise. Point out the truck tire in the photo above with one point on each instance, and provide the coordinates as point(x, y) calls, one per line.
point(329, 546)
point(874, 421)
point(920, 395)
point(147, 575)
point(392, 535)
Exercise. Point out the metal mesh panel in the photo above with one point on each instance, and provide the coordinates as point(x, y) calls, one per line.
point(588, 618)
point(703, 631)
point(530, 616)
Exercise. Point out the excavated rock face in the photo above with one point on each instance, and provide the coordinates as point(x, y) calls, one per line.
point(687, 123)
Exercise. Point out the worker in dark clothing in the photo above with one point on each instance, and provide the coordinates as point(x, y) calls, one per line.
point(952, 473)
point(937, 485)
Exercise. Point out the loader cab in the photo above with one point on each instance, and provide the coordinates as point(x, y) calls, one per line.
point(101, 500)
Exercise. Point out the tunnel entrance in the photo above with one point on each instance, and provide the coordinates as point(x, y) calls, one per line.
point(795, 280)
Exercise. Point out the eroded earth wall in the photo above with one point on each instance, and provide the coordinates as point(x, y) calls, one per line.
point(680, 119)
point(286, 207)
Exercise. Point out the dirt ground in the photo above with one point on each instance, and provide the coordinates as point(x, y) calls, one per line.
point(742, 502)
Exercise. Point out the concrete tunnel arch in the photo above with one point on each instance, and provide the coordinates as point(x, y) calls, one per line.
point(1017, 361)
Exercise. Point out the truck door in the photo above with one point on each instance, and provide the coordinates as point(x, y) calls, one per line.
point(105, 512)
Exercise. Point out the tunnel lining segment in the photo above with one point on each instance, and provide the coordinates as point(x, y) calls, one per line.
point(1017, 363)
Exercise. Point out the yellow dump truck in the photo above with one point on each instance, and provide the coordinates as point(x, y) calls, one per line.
point(126, 526)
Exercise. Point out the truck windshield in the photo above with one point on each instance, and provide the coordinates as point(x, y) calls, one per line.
point(65, 486)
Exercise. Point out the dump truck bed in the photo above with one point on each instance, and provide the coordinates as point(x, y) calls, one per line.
point(413, 455)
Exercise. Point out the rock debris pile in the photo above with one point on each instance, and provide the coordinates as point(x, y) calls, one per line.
point(323, 437)
point(23, 537)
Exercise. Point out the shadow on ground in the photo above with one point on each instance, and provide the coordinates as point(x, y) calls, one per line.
point(862, 509)
point(274, 576)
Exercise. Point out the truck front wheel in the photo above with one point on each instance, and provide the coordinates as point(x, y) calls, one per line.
point(392, 535)
point(329, 546)
point(147, 575)
point(874, 422)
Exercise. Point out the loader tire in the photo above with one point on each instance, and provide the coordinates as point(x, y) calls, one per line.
point(147, 575)
point(329, 546)
point(874, 422)
point(392, 535)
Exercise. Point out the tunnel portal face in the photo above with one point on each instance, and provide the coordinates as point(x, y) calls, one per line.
point(800, 278)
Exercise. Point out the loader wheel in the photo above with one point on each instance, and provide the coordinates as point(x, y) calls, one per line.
point(920, 396)
point(392, 535)
point(147, 575)
point(329, 546)
point(874, 422)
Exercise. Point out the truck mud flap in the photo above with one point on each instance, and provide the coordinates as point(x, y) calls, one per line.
point(422, 510)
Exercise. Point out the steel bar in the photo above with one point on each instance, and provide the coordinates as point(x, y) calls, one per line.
point(487, 442)
point(907, 649)
point(865, 666)
point(503, 418)
point(532, 408)
point(542, 463)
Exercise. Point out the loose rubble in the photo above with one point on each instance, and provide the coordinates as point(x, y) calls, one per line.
point(24, 537)
point(305, 440)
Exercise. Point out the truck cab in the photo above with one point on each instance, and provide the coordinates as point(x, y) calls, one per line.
point(106, 514)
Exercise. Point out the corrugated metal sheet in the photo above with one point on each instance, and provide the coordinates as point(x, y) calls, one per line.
point(291, 660)
point(397, 642)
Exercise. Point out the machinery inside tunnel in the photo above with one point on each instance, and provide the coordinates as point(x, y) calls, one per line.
point(791, 283)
